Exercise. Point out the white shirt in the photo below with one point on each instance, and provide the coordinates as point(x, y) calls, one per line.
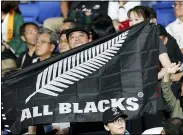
point(153, 131)
point(120, 14)
point(62, 125)
point(175, 29)
point(5, 28)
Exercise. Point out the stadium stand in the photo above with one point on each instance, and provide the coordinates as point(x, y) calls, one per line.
point(165, 13)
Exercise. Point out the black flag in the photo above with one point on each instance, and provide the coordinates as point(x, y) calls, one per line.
point(77, 86)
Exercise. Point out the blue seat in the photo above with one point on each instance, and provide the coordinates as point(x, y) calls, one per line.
point(29, 12)
point(165, 13)
point(48, 9)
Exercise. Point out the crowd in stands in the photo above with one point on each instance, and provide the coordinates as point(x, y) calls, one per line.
point(24, 44)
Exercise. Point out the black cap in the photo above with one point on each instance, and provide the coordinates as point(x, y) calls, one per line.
point(112, 114)
point(77, 28)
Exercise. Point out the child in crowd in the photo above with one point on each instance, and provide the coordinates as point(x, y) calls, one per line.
point(114, 121)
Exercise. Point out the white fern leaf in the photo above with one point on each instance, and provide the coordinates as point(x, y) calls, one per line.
point(60, 75)
point(55, 67)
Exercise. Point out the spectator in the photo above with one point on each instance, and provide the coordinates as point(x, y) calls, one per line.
point(114, 121)
point(83, 12)
point(29, 32)
point(175, 105)
point(63, 44)
point(139, 14)
point(171, 126)
point(173, 49)
point(11, 22)
point(175, 28)
point(68, 24)
point(117, 10)
point(77, 37)
point(46, 44)
point(102, 26)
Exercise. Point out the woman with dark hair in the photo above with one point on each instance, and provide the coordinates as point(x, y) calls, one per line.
point(102, 26)
point(11, 22)
point(138, 14)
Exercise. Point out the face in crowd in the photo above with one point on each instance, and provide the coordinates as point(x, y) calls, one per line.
point(44, 46)
point(178, 8)
point(78, 38)
point(30, 34)
point(117, 126)
point(63, 44)
point(135, 18)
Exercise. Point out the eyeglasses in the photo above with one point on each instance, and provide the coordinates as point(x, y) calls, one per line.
point(43, 42)
point(177, 4)
point(31, 32)
point(119, 121)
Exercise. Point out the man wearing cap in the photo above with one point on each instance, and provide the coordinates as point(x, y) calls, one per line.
point(114, 121)
point(77, 36)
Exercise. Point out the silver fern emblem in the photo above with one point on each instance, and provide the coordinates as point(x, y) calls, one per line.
point(65, 72)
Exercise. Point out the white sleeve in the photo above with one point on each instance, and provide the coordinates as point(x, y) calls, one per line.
point(113, 8)
point(169, 29)
point(123, 11)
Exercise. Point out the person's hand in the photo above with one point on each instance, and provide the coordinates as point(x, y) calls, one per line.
point(61, 131)
point(173, 68)
point(175, 77)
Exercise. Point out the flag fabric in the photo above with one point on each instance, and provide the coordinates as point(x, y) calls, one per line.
point(119, 70)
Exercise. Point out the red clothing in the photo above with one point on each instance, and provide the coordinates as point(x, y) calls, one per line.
point(124, 25)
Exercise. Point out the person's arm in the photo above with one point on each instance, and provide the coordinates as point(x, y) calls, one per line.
point(164, 59)
point(163, 56)
point(18, 22)
point(168, 95)
point(64, 8)
point(176, 77)
point(161, 74)
point(165, 62)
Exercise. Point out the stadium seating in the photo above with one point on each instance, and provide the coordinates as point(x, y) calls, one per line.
point(29, 12)
point(165, 12)
point(48, 9)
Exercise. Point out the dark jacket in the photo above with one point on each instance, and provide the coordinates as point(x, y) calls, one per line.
point(17, 45)
point(173, 50)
